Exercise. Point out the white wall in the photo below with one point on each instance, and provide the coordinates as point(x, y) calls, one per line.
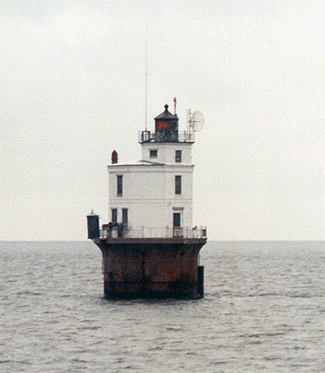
point(166, 152)
point(149, 194)
point(149, 188)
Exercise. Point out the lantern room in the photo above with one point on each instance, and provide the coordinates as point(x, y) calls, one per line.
point(166, 127)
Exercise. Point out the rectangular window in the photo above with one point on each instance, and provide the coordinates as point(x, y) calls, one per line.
point(125, 217)
point(114, 216)
point(119, 185)
point(178, 156)
point(153, 153)
point(178, 184)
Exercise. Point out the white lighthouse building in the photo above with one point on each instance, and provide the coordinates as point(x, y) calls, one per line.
point(153, 197)
point(150, 247)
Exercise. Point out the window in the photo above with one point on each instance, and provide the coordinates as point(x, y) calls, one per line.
point(114, 216)
point(153, 153)
point(125, 217)
point(119, 185)
point(178, 184)
point(178, 156)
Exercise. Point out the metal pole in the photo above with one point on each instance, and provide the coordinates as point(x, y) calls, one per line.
point(146, 80)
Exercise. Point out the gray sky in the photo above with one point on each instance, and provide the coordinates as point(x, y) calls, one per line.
point(73, 90)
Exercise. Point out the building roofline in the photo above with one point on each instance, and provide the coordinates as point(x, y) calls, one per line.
point(149, 164)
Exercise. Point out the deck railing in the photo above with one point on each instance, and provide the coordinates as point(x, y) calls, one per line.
point(120, 231)
point(181, 136)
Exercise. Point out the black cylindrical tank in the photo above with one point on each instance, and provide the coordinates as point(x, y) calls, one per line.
point(93, 226)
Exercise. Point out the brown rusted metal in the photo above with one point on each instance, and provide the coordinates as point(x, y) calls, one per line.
point(138, 268)
point(114, 157)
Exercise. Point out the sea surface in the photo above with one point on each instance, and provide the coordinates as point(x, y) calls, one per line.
point(263, 311)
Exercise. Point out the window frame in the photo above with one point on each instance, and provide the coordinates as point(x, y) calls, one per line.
point(125, 216)
point(114, 217)
point(153, 153)
point(119, 185)
point(178, 156)
point(178, 184)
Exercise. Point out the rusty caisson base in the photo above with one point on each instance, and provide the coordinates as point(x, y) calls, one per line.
point(152, 267)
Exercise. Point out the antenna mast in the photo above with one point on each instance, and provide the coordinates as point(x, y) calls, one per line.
point(146, 80)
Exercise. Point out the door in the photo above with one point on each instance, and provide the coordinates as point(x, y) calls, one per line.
point(177, 220)
point(177, 224)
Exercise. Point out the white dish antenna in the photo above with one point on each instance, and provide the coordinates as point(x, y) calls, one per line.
point(196, 121)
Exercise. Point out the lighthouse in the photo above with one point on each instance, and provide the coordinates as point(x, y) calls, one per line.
point(150, 246)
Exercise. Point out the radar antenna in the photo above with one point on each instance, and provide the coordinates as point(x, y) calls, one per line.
point(195, 121)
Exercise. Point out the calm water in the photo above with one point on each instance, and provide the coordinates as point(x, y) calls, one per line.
point(263, 311)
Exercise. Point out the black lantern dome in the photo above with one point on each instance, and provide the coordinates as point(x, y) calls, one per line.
point(166, 126)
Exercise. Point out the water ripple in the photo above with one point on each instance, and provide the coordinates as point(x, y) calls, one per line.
point(263, 311)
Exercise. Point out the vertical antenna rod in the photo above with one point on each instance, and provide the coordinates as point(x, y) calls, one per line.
point(146, 80)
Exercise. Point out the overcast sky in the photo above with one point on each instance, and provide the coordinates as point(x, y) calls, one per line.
point(73, 90)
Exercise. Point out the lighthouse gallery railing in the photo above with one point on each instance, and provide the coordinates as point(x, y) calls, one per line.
point(153, 232)
point(182, 136)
